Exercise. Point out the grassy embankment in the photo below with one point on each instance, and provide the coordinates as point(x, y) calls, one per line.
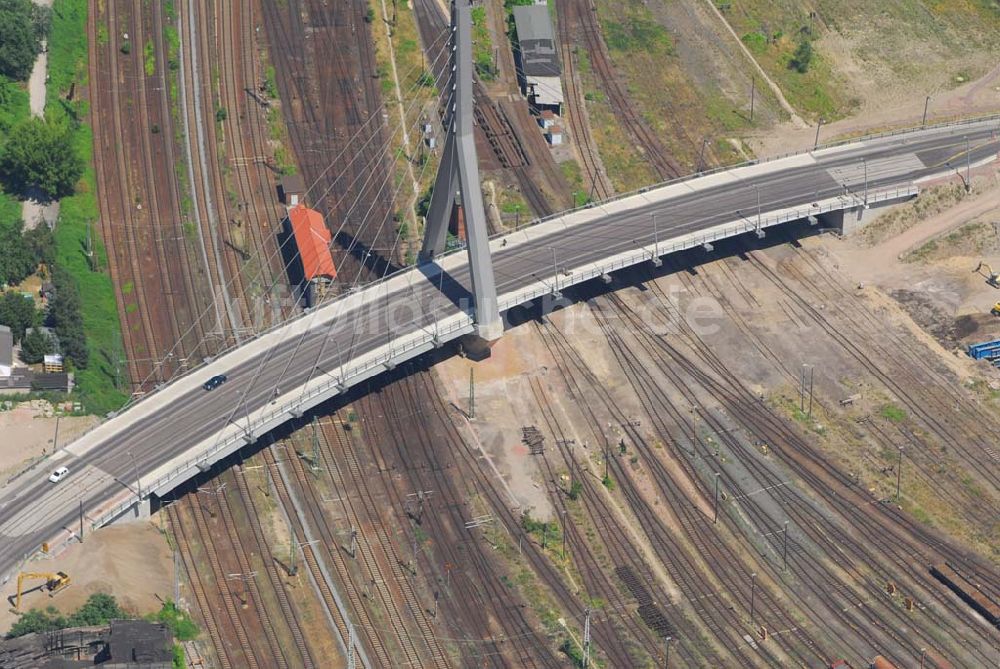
point(68, 65)
point(686, 87)
point(871, 49)
point(417, 95)
point(13, 108)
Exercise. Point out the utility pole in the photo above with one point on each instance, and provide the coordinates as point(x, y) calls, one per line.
point(607, 456)
point(716, 519)
point(564, 536)
point(927, 101)
point(656, 241)
point(757, 188)
point(812, 368)
point(472, 393)
point(354, 542)
point(701, 155)
point(802, 388)
point(694, 431)
point(818, 126)
point(753, 591)
point(138, 483)
point(81, 521)
point(90, 248)
point(865, 163)
point(666, 652)
point(555, 273)
point(784, 548)
point(753, 95)
point(968, 166)
point(55, 439)
point(899, 471)
point(177, 577)
point(586, 640)
point(315, 444)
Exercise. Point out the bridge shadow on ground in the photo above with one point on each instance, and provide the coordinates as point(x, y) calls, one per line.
point(635, 277)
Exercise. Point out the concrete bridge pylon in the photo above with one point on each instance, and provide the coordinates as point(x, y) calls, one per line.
point(457, 183)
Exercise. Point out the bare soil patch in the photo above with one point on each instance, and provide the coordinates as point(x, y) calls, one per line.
point(133, 562)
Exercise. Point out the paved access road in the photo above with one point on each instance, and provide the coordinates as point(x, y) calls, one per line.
point(33, 510)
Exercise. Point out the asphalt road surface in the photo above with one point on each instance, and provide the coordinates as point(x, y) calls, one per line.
point(33, 510)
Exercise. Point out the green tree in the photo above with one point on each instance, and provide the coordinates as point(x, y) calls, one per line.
point(97, 610)
point(35, 346)
point(17, 260)
point(22, 26)
point(803, 56)
point(40, 153)
point(17, 313)
point(42, 244)
point(37, 621)
point(64, 316)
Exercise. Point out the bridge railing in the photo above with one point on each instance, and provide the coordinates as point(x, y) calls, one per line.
point(747, 163)
point(644, 253)
point(310, 397)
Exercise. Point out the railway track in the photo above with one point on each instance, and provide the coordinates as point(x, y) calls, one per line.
point(619, 551)
point(198, 588)
point(125, 225)
point(593, 169)
point(581, 17)
point(251, 588)
point(376, 585)
point(309, 557)
point(414, 435)
point(900, 552)
point(289, 613)
point(715, 614)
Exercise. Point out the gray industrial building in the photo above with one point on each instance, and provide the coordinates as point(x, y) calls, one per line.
point(537, 58)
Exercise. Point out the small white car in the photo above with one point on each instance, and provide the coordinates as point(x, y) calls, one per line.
point(59, 474)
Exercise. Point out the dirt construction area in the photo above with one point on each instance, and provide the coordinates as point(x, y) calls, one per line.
point(29, 430)
point(132, 562)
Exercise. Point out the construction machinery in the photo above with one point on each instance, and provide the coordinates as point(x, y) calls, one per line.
point(996, 309)
point(992, 277)
point(54, 582)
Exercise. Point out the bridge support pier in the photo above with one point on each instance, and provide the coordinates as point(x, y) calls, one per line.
point(457, 183)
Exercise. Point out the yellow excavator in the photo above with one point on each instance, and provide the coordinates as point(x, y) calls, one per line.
point(54, 582)
point(992, 277)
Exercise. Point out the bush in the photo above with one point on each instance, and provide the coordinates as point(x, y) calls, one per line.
point(42, 244)
point(17, 261)
point(178, 621)
point(99, 609)
point(22, 26)
point(18, 313)
point(37, 621)
point(64, 316)
point(41, 153)
point(575, 490)
point(35, 346)
point(802, 57)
